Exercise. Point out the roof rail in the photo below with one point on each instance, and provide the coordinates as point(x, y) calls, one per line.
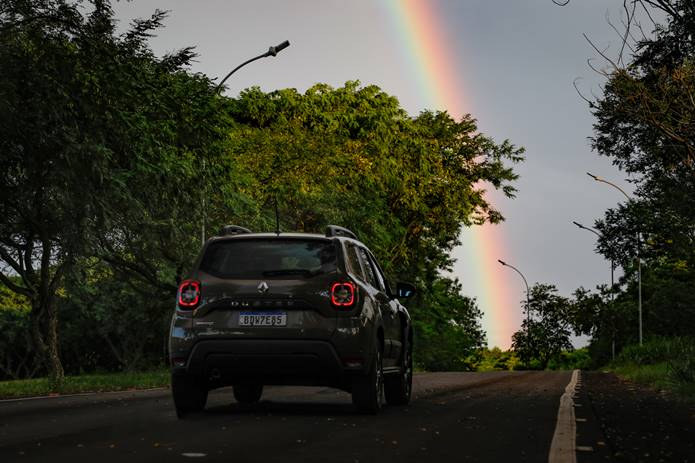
point(335, 230)
point(229, 230)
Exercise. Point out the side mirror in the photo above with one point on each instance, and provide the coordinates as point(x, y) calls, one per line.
point(405, 290)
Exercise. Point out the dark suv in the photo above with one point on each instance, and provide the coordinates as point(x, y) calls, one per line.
point(294, 309)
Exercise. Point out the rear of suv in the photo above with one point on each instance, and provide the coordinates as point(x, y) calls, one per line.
point(289, 309)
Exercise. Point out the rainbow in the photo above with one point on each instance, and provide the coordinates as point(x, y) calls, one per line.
point(432, 57)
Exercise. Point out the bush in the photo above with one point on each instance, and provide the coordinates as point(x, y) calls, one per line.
point(674, 356)
point(657, 349)
point(496, 359)
point(681, 366)
point(17, 356)
point(578, 359)
point(653, 350)
point(107, 323)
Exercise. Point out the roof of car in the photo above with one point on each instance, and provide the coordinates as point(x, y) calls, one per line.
point(272, 236)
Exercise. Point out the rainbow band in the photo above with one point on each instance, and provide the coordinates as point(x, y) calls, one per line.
point(431, 56)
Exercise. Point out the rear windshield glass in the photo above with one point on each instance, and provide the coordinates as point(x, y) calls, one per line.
point(276, 258)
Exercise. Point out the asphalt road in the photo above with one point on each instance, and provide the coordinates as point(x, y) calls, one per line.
point(496, 417)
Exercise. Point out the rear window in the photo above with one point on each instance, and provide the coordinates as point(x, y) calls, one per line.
point(276, 258)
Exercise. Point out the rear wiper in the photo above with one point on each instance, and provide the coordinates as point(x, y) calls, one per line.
point(292, 271)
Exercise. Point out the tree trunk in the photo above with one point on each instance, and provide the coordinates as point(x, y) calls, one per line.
point(36, 336)
point(46, 343)
point(56, 374)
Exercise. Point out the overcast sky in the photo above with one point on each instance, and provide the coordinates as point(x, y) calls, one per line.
point(517, 61)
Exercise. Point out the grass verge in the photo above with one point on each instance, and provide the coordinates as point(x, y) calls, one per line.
point(655, 376)
point(661, 363)
point(85, 383)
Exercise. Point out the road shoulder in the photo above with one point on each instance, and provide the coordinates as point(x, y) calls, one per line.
point(637, 423)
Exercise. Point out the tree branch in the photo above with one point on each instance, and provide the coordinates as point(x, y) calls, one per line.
point(603, 54)
point(11, 261)
point(589, 102)
point(16, 288)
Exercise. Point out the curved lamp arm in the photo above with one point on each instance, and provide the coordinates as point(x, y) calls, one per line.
point(272, 51)
point(522, 276)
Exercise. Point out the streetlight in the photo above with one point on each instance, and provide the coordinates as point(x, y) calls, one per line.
point(528, 305)
point(599, 236)
point(612, 279)
point(639, 260)
point(272, 51)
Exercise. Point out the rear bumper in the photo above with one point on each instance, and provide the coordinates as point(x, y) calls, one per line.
point(225, 362)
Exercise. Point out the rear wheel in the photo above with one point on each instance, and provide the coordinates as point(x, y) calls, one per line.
point(189, 393)
point(368, 390)
point(398, 388)
point(248, 393)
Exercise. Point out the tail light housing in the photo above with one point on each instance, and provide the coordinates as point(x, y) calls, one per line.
point(189, 294)
point(343, 294)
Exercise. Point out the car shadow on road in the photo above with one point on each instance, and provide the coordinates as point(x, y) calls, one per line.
point(267, 407)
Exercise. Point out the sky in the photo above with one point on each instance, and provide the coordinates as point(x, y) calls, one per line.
point(509, 63)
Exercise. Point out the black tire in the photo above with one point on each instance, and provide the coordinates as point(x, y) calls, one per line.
point(248, 393)
point(189, 393)
point(368, 390)
point(398, 388)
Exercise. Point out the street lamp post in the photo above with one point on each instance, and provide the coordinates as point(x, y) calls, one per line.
point(639, 259)
point(528, 305)
point(599, 236)
point(612, 283)
point(272, 51)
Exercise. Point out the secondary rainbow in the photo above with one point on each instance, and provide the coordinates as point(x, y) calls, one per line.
point(432, 57)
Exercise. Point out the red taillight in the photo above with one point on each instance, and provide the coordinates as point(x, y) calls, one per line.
point(189, 294)
point(343, 294)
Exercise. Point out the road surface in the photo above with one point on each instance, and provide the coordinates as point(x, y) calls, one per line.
point(477, 417)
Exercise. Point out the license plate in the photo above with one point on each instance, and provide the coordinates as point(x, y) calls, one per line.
point(262, 319)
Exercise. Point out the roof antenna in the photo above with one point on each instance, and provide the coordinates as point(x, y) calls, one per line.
point(277, 218)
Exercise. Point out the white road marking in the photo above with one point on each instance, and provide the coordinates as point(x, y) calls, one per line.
point(194, 455)
point(562, 449)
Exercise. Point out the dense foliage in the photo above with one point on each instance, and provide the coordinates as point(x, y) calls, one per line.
point(111, 158)
point(447, 329)
point(666, 362)
point(545, 334)
point(99, 145)
point(645, 123)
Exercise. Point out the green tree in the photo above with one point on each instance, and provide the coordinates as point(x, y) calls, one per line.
point(100, 148)
point(645, 118)
point(547, 332)
point(447, 328)
point(645, 122)
point(351, 155)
